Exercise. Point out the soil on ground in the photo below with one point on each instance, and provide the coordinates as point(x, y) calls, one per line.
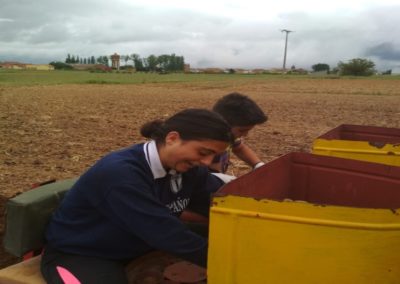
point(57, 132)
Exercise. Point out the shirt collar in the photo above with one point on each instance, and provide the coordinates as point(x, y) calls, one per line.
point(153, 159)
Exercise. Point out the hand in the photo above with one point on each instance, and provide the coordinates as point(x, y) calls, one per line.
point(224, 177)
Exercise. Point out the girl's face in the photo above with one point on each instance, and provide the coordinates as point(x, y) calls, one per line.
point(241, 131)
point(182, 155)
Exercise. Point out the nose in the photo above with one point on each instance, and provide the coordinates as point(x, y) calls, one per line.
point(206, 161)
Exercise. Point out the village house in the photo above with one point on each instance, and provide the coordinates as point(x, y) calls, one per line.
point(24, 66)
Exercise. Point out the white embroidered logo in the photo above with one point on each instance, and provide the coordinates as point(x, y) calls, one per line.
point(178, 205)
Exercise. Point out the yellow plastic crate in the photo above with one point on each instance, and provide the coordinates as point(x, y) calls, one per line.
point(306, 218)
point(366, 143)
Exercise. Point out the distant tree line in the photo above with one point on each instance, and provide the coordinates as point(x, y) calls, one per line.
point(174, 63)
point(354, 67)
point(75, 59)
point(164, 62)
point(152, 63)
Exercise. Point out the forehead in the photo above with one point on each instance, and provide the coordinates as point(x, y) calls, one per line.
point(209, 145)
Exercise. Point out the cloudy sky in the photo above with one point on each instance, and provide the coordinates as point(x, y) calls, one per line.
point(208, 33)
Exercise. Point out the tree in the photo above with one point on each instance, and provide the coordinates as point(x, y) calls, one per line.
point(320, 67)
point(68, 59)
point(164, 61)
point(103, 60)
point(137, 62)
point(60, 65)
point(126, 59)
point(177, 63)
point(357, 67)
point(170, 63)
point(151, 63)
point(180, 63)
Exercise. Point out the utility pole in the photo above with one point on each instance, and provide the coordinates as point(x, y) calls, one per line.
point(284, 56)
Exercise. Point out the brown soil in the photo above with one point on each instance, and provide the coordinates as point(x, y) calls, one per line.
point(56, 132)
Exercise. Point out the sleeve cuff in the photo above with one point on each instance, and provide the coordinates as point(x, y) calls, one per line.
point(259, 164)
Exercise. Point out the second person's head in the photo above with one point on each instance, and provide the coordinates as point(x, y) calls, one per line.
point(241, 112)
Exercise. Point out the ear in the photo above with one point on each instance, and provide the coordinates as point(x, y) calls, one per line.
point(172, 137)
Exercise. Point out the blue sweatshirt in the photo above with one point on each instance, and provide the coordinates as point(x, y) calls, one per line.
point(124, 207)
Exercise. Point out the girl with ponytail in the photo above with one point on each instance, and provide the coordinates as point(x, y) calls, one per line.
point(129, 202)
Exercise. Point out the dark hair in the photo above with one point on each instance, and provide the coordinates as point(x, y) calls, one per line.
point(239, 110)
point(191, 124)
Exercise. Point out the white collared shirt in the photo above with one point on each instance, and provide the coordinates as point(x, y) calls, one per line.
point(158, 171)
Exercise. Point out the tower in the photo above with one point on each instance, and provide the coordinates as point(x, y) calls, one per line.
point(115, 61)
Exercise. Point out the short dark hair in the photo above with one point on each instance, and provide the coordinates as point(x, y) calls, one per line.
point(191, 124)
point(239, 110)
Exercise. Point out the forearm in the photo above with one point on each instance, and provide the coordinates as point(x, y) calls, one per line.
point(246, 154)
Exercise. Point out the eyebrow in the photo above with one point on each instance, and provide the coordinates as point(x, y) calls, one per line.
point(208, 150)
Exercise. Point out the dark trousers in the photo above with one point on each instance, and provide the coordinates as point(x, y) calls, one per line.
point(91, 270)
point(57, 268)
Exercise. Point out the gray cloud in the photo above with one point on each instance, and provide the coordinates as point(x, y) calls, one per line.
point(46, 30)
point(384, 51)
